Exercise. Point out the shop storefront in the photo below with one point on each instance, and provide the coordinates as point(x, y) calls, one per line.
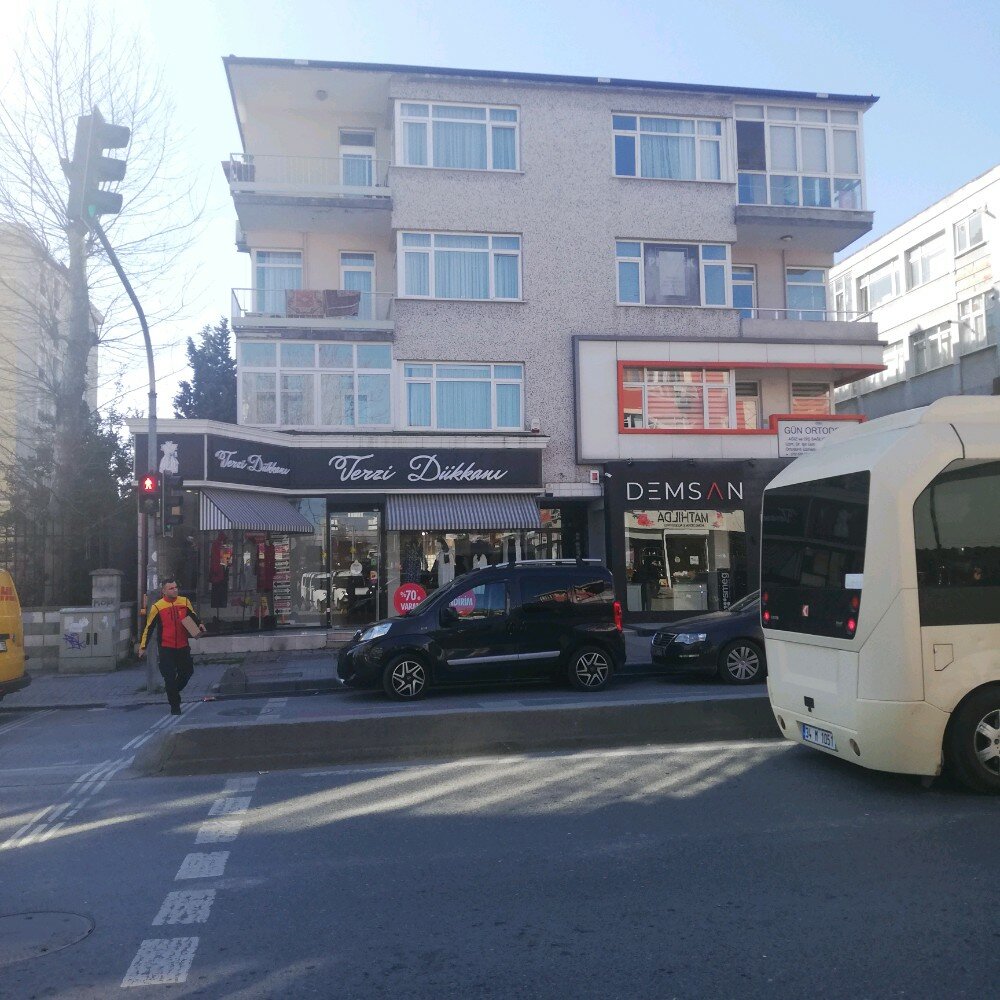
point(684, 535)
point(290, 532)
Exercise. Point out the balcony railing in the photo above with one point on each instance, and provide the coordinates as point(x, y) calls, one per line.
point(356, 174)
point(318, 304)
point(797, 191)
point(798, 315)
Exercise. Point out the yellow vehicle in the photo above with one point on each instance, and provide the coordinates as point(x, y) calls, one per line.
point(12, 674)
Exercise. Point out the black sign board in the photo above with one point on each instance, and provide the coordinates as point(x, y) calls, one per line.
point(237, 461)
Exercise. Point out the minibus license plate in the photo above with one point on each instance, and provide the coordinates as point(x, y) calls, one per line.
point(3, 645)
point(820, 737)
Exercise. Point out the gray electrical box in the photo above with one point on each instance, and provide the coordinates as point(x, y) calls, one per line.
point(88, 640)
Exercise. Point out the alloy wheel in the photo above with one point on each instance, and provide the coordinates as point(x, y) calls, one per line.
point(742, 663)
point(591, 668)
point(408, 678)
point(987, 742)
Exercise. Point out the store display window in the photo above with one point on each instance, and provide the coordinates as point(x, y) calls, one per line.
point(684, 560)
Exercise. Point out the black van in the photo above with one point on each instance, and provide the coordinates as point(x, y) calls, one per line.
point(515, 621)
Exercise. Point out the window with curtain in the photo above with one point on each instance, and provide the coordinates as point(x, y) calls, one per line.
point(806, 156)
point(460, 266)
point(812, 399)
point(275, 272)
point(464, 396)
point(678, 399)
point(672, 274)
point(457, 136)
point(805, 290)
point(316, 385)
point(684, 149)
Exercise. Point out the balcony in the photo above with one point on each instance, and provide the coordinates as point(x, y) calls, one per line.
point(816, 213)
point(808, 324)
point(331, 194)
point(312, 309)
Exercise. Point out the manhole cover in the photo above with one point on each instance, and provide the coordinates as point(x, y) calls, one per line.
point(240, 711)
point(28, 935)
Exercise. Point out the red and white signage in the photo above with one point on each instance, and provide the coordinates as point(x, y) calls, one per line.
point(407, 597)
point(465, 603)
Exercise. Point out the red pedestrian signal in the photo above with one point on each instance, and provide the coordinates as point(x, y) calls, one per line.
point(149, 492)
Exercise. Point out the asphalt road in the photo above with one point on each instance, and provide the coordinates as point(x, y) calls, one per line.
point(748, 870)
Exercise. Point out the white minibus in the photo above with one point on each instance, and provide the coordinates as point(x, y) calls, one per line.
point(880, 593)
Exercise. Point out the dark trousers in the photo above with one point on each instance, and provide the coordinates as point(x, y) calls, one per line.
point(176, 668)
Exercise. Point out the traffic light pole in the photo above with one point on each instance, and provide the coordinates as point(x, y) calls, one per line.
point(151, 566)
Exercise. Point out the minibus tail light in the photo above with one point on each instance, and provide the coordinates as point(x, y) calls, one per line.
point(851, 626)
point(617, 607)
point(855, 602)
point(766, 616)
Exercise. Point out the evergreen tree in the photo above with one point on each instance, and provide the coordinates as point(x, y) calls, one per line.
point(211, 392)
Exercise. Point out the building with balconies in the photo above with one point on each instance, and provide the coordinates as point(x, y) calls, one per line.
point(931, 286)
point(478, 297)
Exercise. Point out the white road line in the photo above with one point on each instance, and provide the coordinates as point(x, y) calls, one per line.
point(195, 865)
point(165, 723)
point(230, 805)
point(11, 726)
point(247, 784)
point(187, 906)
point(161, 960)
point(14, 839)
point(219, 831)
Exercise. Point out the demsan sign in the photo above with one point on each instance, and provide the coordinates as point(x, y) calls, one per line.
point(694, 489)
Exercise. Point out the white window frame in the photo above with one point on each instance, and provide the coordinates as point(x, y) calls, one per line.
point(864, 284)
point(730, 386)
point(756, 395)
point(752, 284)
point(843, 296)
point(317, 371)
point(772, 114)
point(360, 152)
point(823, 283)
point(919, 258)
point(258, 293)
point(428, 121)
point(940, 334)
point(972, 334)
point(702, 263)
point(965, 226)
point(432, 380)
point(721, 140)
point(493, 253)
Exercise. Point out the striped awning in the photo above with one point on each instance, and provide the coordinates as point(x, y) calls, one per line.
point(460, 512)
point(224, 510)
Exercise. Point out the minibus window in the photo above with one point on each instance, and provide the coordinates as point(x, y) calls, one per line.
point(813, 555)
point(956, 528)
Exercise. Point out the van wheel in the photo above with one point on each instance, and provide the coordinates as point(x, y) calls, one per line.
point(972, 744)
point(589, 669)
point(741, 662)
point(405, 678)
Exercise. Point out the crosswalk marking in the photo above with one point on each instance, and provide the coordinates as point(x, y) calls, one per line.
point(161, 960)
point(187, 906)
point(198, 865)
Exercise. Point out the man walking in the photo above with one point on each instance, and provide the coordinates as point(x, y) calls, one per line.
point(167, 617)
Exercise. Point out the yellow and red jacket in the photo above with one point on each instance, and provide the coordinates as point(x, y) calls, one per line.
point(165, 617)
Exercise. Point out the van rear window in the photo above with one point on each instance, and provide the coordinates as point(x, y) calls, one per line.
point(813, 555)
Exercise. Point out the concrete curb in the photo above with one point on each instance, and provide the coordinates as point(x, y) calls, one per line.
point(257, 747)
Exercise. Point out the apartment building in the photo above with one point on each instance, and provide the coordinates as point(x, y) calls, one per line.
point(505, 315)
point(931, 286)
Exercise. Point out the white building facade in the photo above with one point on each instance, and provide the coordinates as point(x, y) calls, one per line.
point(474, 294)
point(931, 286)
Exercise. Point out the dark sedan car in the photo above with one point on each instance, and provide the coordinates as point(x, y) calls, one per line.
point(728, 643)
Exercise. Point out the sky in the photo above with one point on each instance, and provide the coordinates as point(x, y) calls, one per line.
point(933, 65)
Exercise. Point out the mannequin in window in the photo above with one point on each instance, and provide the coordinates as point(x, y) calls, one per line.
point(444, 563)
point(220, 557)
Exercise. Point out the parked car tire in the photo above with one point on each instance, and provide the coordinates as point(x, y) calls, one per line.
point(589, 668)
point(405, 678)
point(742, 662)
point(972, 741)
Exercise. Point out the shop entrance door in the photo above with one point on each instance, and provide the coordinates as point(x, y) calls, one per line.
point(355, 587)
point(687, 570)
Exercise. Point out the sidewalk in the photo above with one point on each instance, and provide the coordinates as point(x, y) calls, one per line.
point(285, 672)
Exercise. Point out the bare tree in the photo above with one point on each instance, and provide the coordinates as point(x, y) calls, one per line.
point(68, 64)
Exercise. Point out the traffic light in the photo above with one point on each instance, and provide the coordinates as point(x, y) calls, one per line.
point(172, 501)
point(149, 492)
point(90, 168)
